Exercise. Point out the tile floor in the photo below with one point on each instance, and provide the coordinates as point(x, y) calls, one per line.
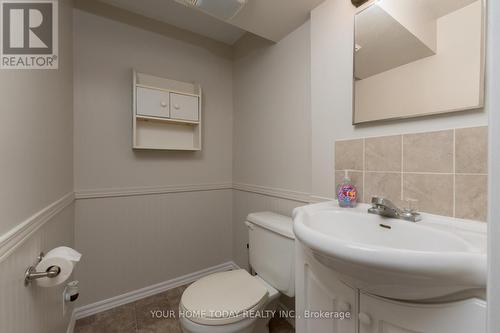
point(136, 317)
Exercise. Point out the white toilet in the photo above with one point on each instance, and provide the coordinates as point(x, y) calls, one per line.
point(222, 302)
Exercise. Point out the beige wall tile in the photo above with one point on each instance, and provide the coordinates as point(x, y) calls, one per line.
point(428, 152)
point(349, 155)
point(471, 149)
point(383, 153)
point(471, 197)
point(357, 180)
point(421, 166)
point(434, 192)
point(387, 185)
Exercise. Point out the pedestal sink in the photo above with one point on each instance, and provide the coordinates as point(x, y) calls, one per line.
point(392, 258)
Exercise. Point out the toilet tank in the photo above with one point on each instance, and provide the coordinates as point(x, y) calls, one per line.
point(271, 241)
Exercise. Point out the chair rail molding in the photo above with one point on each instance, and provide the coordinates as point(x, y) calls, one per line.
point(274, 192)
point(252, 188)
point(138, 191)
point(16, 236)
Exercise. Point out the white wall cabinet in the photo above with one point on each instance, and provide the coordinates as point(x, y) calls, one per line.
point(184, 107)
point(319, 289)
point(166, 113)
point(153, 102)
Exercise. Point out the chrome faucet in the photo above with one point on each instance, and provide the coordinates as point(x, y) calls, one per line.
point(384, 207)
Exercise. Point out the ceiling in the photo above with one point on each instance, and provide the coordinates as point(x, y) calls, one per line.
point(443, 7)
point(271, 19)
point(274, 19)
point(171, 12)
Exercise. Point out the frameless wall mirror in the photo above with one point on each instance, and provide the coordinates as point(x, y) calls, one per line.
point(417, 58)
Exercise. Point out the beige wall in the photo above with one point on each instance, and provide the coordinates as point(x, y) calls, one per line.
point(36, 133)
point(105, 53)
point(271, 115)
point(36, 138)
point(165, 235)
point(331, 95)
point(271, 129)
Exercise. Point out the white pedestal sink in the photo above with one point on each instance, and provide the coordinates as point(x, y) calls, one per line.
point(403, 260)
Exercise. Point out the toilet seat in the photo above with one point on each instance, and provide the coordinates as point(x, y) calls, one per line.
point(223, 298)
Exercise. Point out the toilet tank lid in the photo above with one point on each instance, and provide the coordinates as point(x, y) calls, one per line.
point(277, 223)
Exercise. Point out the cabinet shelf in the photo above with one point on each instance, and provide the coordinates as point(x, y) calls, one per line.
point(168, 120)
point(166, 148)
point(166, 114)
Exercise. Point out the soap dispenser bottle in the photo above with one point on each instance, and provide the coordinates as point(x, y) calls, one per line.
point(347, 194)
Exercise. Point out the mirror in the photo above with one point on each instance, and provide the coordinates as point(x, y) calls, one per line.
point(417, 58)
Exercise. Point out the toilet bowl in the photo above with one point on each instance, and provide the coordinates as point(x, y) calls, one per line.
point(238, 302)
point(235, 301)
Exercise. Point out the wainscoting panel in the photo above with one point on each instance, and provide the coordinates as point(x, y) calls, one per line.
point(32, 309)
point(131, 242)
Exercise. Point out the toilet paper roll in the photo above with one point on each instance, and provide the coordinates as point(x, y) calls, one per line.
point(63, 257)
point(64, 252)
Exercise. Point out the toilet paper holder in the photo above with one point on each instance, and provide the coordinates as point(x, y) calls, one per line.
point(31, 274)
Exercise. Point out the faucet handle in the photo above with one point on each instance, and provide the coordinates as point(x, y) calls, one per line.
point(411, 205)
point(377, 200)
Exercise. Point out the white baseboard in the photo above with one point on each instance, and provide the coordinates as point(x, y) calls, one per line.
point(91, 309)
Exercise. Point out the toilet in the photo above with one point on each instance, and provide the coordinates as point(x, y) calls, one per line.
point(235, 301)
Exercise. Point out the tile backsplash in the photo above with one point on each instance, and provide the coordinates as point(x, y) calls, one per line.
point(446, 171)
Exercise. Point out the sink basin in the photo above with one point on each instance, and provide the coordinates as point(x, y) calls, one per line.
point(430, 259)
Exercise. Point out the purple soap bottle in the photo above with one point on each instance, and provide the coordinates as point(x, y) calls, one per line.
point(347, 194)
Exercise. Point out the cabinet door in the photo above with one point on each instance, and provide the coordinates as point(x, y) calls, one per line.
point(152, 103)
point(323, 295)
point(184, 107)
point(384, 316)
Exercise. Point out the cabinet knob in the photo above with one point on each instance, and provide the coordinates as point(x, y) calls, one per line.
point(364, 319)
point(177, 107)
point(163, 104)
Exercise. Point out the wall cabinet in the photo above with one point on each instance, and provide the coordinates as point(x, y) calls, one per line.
point(166, 113)
point(319, 289)
point(153, 102)
point(184, 107)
